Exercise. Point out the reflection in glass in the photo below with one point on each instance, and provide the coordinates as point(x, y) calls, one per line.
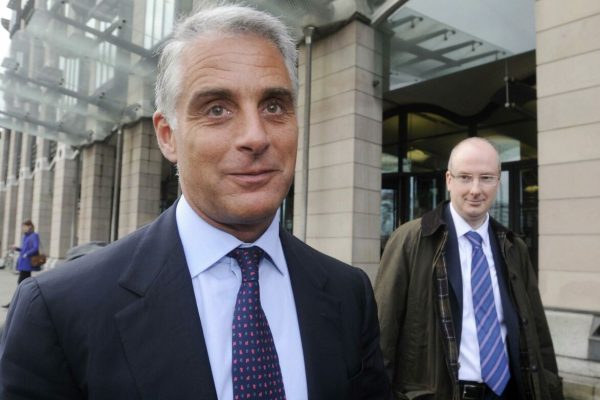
point(388, 214)
point(500, 210)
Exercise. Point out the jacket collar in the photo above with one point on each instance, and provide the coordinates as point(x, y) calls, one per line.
point(161, 321)
point(319, 317)
point(434, 220)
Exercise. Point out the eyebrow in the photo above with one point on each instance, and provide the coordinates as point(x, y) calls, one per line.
point(279, 92)
point(220, 93)
point(211, 93)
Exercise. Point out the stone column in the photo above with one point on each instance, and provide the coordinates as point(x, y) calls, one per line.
point(97, 174)
point(140, 177)
point(10, 200)
point(43, 180)
point(568, 86)
point(344, 179)
point(4, 147)
point(24, 186)
point(63, 201)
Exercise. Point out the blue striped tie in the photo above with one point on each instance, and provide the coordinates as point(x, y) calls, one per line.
point(493, 359)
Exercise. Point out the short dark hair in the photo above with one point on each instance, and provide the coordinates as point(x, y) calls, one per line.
point(28, 222)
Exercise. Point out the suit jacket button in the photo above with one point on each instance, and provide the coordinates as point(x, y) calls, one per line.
point(534, 367)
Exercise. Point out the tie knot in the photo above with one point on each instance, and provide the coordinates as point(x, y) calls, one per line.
point(474, 238)
point(248, 259)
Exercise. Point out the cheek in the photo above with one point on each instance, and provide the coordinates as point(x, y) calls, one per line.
point(289, 147)
point(201, 148)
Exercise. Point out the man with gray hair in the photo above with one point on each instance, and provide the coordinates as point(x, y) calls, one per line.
point(212, 300)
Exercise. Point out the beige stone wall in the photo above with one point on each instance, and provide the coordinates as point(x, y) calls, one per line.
point(97, 176)
point(345, 147)
point(4, 147)
point(568, 78)
point(24, 186)
point(140, 178)
point(41, 213)
point(63, 202)
point(10, 197)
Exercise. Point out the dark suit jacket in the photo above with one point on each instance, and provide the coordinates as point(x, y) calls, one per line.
point(122, 323)
point(456, 300)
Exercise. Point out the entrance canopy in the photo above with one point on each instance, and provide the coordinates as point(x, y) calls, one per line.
point(78, 69)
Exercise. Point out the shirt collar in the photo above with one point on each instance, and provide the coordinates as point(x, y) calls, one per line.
point(463, 226)
point(204, 245)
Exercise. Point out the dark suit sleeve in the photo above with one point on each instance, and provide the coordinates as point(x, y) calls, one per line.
point(32, 362)
point(374, 381)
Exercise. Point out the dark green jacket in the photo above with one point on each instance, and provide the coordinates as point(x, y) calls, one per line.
point(417, 354)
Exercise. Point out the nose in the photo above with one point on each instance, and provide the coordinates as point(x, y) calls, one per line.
point(253, 137)
point(475, 186)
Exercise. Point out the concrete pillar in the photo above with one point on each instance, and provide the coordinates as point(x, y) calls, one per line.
point(97, 174)
point(344, 179)
point(10, 200)
point(24, 185)
point(568, 86)
point(43, 181)
point(4, 147)
point(140, 178)
point(63, 202)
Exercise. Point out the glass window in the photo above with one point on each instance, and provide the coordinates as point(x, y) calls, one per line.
point(500, 208)
point(159, 21)
point(430, 38)
point(515, 141)
point(70, 69)
point(106, 55)
point(388, 214)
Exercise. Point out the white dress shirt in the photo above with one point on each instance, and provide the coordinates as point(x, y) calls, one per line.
point(468, 358)
point(216, 279)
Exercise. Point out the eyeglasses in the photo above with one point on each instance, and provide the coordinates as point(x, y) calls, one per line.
point(485, 180)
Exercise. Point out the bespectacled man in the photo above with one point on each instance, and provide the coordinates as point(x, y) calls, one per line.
point(460, 312)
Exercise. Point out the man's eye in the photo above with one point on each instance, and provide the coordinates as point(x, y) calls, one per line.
point(273, 107)
point(464, 178)
point(217, 111)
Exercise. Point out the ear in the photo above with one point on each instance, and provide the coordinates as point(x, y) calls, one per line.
point(165, 136)
point(448, 179)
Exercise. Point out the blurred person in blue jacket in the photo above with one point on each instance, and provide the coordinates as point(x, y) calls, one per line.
point(30, 246)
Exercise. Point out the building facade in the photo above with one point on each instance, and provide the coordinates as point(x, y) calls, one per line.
point(387, 89)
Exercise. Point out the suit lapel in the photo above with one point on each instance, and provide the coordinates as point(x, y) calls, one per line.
point(318, 316)
point(511, 319)
point(453, 269)
point(160, 330)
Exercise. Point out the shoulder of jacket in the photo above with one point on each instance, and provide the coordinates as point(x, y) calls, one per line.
point(406, 232)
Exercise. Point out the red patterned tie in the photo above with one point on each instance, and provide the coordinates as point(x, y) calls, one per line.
point(255, 365)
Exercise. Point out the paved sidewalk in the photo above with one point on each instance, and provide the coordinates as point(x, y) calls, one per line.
point(8, 285)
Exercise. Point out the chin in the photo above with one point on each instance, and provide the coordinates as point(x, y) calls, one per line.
point(253, 212)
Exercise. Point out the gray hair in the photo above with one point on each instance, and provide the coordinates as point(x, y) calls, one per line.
point(222, 19)
point(468, 141)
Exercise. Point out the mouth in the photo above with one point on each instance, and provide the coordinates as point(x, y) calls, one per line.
point(253, 177)
point(475, 203)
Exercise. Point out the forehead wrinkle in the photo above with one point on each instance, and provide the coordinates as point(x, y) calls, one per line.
point(196, 51)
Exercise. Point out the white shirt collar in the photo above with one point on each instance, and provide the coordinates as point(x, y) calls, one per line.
point(204, 245)
point(463, 226)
